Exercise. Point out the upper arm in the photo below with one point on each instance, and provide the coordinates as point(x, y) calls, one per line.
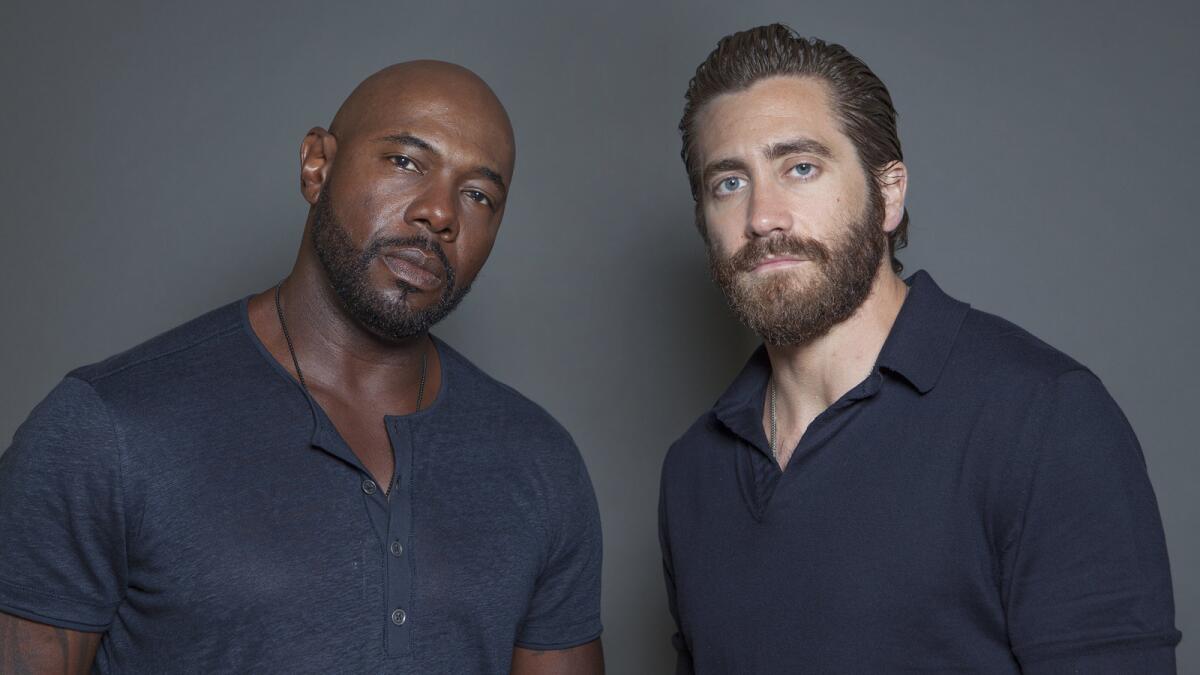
point(564, 609)
point(586, 659)
point(1085, 579)
point(28, 647)
point(62, 514)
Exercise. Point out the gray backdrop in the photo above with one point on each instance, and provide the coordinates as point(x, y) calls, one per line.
point(151, 174)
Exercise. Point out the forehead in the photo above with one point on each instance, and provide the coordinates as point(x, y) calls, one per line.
point(459, 129)
point(771, 110)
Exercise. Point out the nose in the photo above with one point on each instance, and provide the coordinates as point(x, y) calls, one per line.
point(435, 209)
point(768, 213)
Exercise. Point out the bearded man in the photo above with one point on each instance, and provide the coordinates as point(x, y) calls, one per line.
point(306, 481)
point(896, 482)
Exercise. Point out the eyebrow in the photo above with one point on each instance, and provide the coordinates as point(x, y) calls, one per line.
point(721, 166)
point(492, 176)
point(413, 142)
point(410, 141)
point(804, 146)
point(799, 146)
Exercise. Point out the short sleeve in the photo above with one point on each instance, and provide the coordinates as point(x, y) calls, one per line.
point(1086, 582)
point(61, 514)
point(564, 611)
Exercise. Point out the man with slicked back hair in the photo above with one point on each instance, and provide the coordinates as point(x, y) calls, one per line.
point(306, 480)
point(895, 482)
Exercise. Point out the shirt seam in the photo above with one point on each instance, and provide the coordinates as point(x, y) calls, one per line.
point(562, 644)
point(1044, 652)
point(54, 596)
point(573, 624)
point(151, 358)
point(122, 456)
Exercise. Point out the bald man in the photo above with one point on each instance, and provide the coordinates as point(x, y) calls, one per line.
point(306, 480)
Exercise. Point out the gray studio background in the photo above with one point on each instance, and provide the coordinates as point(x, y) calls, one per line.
point(150, 174)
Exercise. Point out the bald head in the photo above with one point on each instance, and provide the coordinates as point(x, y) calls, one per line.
point(436, 86)
point(418, 159)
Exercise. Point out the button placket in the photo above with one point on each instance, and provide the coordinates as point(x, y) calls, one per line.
point(396, 546)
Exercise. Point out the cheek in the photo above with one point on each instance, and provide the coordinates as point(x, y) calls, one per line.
point(370, 212)
point(470, 252)
point(723, 226)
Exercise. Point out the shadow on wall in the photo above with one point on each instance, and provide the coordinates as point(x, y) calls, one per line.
point(701, 345)
point(684, 347)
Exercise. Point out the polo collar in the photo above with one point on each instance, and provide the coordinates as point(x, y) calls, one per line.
point(740, 408)
point(924, 333)
point(917, 349)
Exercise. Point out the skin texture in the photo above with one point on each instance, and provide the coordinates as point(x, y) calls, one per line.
point(586, 659)
point(28, 647)
point(749, 192)
point(419, 149)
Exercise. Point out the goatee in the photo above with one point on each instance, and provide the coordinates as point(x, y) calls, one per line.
point(348, 270)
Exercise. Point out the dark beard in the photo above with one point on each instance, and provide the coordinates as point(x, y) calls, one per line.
point(785, 311)
point(348, 270)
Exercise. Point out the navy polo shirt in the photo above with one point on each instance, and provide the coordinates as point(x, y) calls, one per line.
point(977, 504)
point(191, 501)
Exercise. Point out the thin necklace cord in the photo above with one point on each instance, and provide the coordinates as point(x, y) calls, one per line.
point(287, 336)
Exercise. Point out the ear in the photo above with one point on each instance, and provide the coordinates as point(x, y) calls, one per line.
point(316, 159)
point(893, 184)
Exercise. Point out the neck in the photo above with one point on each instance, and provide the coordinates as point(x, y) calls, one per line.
point(336, 353)
point(810, 377)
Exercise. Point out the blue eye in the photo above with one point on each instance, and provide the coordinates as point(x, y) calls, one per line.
point(727, 185)
point(804, 170)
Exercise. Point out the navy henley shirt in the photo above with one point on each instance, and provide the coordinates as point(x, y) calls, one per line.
point(190, 500)
point(978, 504)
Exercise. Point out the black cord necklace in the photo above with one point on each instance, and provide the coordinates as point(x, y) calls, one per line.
point(296, 362)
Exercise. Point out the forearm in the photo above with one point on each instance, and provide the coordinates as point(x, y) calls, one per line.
point(33, 648)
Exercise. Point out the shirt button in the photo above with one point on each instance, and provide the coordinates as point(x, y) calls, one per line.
point(368, 486)
point(396, 548)
point(398, 617)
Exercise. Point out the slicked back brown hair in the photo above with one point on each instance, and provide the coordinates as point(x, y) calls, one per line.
point(861, 101)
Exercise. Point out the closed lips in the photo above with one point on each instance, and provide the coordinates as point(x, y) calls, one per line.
point(415, 267)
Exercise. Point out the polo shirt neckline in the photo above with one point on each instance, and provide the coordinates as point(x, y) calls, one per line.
point(917, 349)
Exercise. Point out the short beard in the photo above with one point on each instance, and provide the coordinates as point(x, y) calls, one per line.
point(784, 310)
point(348, 270)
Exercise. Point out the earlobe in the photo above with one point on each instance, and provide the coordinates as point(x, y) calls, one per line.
point(893, 185)
point(316, 157)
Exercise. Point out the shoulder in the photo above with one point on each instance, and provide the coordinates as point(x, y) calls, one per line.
point(1049, 401)
point(94, 388)
point(1002, 352)
point(196, 339)
point(499, 408)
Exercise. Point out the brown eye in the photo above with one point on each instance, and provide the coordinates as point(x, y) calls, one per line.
point(402, 162)
point(477, 196)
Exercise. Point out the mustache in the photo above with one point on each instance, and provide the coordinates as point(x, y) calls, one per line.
point(752, 254)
